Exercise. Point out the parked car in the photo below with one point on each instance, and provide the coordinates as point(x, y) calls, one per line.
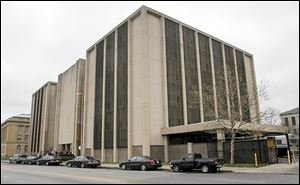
point(30, 160)
point(141, 162)
point(195, 161)
point(49, 160)
point(17, 158)
point(83, 162)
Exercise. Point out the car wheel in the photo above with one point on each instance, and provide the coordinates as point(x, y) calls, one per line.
point(10, 162)
point(143, 167)
point(82, 165)
point(69, 165)
point(47, 164)
point(204, 168)
point(176, 168)
point(124, 167)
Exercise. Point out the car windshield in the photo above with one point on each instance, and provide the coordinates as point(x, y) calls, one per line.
point(90, 158)
point(147, 158)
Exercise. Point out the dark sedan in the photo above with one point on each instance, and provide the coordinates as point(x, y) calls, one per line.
point(49, 160)
point(141, 162)
point(17, 158)
point(30, 160)
point(83, 162)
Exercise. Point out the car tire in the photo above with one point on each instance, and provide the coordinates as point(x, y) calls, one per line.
point(143, 167)
point(82, 165)
point(176, 168)
point(205, 168)
point(69, 165)
point(123, 166)
point(47, 164)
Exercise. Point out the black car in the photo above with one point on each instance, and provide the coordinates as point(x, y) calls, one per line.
point(49, 160)
point(141, 162)
point(30, 160)
point(83, 162)
point(195, 161)
point(17, 158)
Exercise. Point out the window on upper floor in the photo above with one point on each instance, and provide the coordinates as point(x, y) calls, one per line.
point(19, 137)
point(293, 121)
point(286, 121)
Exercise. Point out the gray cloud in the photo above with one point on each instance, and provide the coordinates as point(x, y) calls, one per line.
point(39, 40)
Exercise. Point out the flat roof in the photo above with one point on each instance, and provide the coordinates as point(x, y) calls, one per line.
point(137, 12)
point(290, 112)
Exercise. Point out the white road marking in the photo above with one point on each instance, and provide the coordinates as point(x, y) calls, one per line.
point(241, 181)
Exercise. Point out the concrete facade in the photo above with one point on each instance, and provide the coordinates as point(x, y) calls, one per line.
point(15, 135)
point(147, 87)
point(132, 95)
point(69, 108)
point(42, 119)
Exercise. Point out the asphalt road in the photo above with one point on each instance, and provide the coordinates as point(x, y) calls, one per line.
point(32, 174)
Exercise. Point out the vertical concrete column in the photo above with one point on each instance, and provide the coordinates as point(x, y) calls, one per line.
point(45, 114)
point(237, 84)
point(85, 102)
point(115, 150)
point(255, 90)
point(30, 127)
point(213, 77)
point(199, 76)
point(165, 89)
point(129, 86)
point(145, 83)
point(220, 139)
point(185, 118)
point(226, 80)
point(74, 143)
point(190, 148)
point(103, 103)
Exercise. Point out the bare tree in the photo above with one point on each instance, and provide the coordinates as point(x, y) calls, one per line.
point(230, 103)
point(270, 116)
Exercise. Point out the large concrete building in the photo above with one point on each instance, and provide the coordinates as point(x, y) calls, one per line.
point(15, 135)
point(132, 95)
point(69, 109)
point(137, 83)
point(43, 119)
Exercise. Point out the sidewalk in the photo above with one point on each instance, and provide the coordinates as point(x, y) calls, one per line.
point(273, 168)
point(282, 168)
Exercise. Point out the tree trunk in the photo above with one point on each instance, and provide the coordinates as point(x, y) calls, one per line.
point(232, 149)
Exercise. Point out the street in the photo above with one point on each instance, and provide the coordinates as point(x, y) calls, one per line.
point(32, 174)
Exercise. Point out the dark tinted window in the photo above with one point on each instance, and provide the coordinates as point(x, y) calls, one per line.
point(174, 79)
point(206, 78)
point(90, 158)
point(109, 90)
point(191, 76)
point(189, 157)
point(122, 75)
point(98, 95)
point(138, 158)
point(198, 156)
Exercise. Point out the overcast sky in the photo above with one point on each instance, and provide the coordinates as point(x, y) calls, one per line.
point(40, 40)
